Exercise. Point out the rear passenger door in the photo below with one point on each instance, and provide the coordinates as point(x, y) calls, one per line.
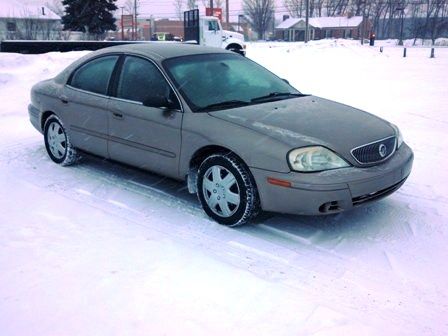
point(83, 104)
point(142, 134)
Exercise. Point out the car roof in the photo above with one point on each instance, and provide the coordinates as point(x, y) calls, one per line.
point(162, 50)
point(157, 51)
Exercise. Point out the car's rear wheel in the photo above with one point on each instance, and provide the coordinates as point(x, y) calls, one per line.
point(58, 143)
point(226, 190)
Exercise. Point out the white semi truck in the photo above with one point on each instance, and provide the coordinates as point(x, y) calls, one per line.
point(207, 31)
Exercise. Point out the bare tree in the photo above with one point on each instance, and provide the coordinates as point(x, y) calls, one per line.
point(318, 7)
point(129, 6)
point(30, 26)
point(216, 3)
point(357, 7)
point(260, 14)
point(49, 30)
point(436, 18)
point(179, 8)
point(336, 7)
point(295, 7)
point(192, 4)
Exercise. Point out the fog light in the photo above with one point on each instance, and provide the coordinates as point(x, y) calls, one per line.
point(330, 207)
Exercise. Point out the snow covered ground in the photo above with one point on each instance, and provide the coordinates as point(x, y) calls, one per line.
point(103, 249)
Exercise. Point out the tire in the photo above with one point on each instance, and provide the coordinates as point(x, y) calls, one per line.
point(57, 142)
point(227, 190)
point(236, 50)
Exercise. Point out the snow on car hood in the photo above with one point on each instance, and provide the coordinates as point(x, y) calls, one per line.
point(311, 120)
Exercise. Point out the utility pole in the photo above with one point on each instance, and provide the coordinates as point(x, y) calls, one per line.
point(122, 24)
point(363, 23)
point(135, 20)
point(211, 6)
point(307, 19)
point(227, 14)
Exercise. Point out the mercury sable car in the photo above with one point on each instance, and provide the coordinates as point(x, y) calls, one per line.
point(243, 139)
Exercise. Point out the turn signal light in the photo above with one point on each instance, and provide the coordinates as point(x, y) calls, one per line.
point(278, 182)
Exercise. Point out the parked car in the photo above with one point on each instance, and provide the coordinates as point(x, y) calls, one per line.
point(243, 139)
point(165, 37)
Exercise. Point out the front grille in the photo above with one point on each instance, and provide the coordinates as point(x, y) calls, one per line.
point(375, 152)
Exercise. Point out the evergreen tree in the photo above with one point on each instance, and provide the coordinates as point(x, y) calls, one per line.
point(89, 16)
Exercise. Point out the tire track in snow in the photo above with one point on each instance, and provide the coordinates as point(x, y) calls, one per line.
point(267, 252)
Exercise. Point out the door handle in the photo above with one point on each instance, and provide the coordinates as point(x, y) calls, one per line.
point(118, 116)
point(63, 99)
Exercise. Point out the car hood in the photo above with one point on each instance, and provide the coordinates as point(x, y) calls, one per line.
point(230, 34)
point(311, 120)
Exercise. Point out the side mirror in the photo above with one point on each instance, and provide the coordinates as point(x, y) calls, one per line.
point(160, 102)
point(286, 81)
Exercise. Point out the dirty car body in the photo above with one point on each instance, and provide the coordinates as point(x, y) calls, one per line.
point(243, 139)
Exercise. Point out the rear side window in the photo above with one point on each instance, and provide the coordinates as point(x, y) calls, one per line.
point(140, 80)
point(95, 75)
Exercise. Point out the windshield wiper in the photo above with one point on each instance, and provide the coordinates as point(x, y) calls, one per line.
point(223, 105)
point(277, 96)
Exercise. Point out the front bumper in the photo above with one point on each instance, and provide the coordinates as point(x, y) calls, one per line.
point(334, 190)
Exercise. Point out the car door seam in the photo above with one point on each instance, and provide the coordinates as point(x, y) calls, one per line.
point(124, 142)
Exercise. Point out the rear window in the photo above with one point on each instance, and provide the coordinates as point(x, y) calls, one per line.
point(95, 75)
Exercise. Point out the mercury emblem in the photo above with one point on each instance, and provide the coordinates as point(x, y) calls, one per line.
point(382, 150)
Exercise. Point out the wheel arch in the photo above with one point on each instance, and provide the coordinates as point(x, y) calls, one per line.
point(234, 45)
point(200, 155)
point(44, 118)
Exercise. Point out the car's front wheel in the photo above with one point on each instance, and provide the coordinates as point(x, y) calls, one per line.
point(226, 190)
point(58, 143)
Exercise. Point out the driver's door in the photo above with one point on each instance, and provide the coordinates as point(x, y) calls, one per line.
point(148, 137)
point(212, 33)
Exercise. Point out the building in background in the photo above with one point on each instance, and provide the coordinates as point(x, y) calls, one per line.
point(293, 29)
point(146, 27)
point(20, 21)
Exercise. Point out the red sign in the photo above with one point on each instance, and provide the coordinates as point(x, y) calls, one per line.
point(128, 20)
point(217, 12)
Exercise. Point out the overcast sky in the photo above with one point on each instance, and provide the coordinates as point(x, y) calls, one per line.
point(165, 8)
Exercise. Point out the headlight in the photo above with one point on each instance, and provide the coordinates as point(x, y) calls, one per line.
point(316, 158)
point(398, 135)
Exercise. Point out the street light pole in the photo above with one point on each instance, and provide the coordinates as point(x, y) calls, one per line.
point(401, 9)
point(307, 19)
point(401, 28)
point(363, 24)
point(135, 20)
point(227, 14)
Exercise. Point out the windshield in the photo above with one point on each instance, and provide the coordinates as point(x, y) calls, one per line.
point(211, 82)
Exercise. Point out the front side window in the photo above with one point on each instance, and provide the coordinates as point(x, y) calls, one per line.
point(140, 80)
point(213, 25)
point(210, 79)
point(95, 75)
